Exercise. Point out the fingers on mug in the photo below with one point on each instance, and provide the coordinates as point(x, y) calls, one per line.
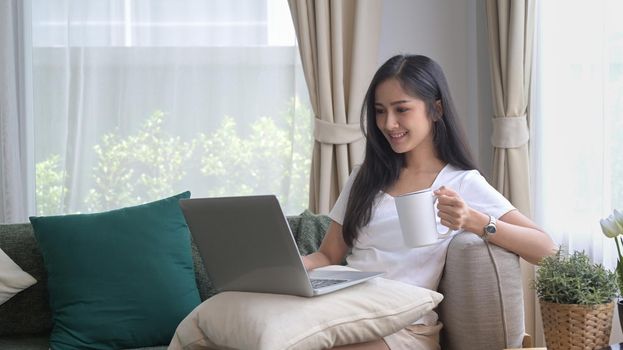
point(449, 231)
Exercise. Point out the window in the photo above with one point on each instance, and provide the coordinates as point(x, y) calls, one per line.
point(135, 100)
point(578, 109)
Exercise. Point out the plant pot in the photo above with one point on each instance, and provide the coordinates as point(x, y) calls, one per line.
point(620, 309)
point(572, 326)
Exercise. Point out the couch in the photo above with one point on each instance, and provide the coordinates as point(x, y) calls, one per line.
point(482, 306)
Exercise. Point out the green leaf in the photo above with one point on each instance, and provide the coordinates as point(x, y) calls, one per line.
point(574, 279)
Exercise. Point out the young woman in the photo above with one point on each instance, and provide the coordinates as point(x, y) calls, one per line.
point(414, 142)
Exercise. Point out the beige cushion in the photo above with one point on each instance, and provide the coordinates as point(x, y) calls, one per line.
point(483, 298)
point(368, 311)
point(12, 278)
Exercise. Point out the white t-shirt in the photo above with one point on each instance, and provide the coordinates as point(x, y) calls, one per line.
point(379, 245)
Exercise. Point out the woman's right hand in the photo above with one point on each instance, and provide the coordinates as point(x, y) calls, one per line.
point(307, 262)
point(315, 260)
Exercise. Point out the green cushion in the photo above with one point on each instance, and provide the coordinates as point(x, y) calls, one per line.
point(118, 279)
point(308, 230)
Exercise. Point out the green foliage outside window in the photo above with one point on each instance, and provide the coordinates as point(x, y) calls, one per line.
point(138, 168)
point(50, 190)
point(148, 164)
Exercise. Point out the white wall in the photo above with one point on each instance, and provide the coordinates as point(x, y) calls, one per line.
point(453, 33)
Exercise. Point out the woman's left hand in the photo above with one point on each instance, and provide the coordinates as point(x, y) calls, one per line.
point(453, 211)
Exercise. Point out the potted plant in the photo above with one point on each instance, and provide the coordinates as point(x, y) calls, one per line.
point(612, 227)
point(576, 298)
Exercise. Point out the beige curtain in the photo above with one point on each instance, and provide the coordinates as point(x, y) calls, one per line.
point(511, 32)
point(338, 41)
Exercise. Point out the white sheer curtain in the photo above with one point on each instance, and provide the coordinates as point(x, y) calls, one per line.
point(135, 100)
point(578, 145)
point(16, 152)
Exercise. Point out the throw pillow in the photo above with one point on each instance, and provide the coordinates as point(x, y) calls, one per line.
point(118, 279)
point(364, 312)
point(308, 230)
point(12, 278)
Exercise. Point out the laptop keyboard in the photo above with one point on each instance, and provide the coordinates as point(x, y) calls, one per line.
point(319, 283)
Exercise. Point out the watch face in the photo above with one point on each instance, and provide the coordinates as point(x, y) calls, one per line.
point(490, 229)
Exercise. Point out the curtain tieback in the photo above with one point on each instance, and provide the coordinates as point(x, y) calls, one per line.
point(334, 133)
point(510, 132)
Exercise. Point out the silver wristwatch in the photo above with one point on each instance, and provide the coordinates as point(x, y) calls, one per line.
point(490, 229)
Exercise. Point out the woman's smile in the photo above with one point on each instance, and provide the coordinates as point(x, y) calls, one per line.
point(396, 137)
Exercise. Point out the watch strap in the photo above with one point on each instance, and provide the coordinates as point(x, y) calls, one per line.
point(489, 229)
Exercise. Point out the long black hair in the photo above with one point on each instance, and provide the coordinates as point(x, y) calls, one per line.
point(423, 78)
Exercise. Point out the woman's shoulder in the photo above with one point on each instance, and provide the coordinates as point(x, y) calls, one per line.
point(453, 172)
point(461, 179)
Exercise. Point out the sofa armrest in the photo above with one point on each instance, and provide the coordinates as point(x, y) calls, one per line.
point(483, 298)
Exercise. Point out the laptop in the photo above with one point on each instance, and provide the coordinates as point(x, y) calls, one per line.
point(246, 245)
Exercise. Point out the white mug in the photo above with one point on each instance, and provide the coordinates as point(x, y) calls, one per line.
point(418, 222)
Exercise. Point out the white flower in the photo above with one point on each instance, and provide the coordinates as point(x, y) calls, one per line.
point(618, 217)
point(612, 226)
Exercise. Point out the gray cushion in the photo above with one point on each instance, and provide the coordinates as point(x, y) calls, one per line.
point(25, 342)
point(40, 342)
point(480, 282)
point(204, 284)
point(28, 312)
